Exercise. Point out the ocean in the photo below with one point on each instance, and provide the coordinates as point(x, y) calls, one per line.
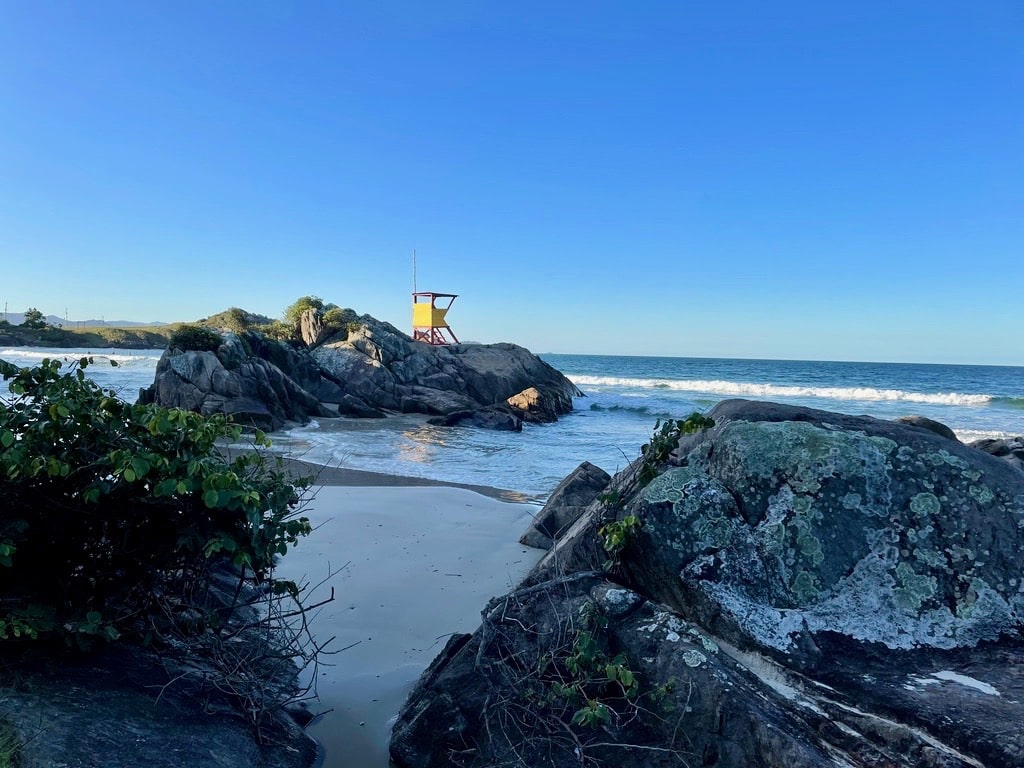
point(624, 397)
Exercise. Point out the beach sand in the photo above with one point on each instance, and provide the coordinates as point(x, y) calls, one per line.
point(418, 563)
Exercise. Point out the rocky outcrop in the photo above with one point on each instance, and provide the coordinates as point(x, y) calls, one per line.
point(1010, 450)
point(239, 381)
point(385, 367)
point(119, 709)
point(793, 588)
point(565, 505)
point(496, 417)
point(122, 706)
point(366, 370)
point(930, 424)
point(537, 407)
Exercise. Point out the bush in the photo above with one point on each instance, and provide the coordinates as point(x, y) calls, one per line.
point(337, 320)
point(114, 514)
point(293, 313)
point(33, 319)
point(195, 338)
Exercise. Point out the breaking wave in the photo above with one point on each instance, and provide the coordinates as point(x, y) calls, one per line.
point(747, 389)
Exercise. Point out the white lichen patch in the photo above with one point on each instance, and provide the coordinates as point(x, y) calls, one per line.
point(668, 626)
point(707, 643)
point(616, 601)
point(694, 658)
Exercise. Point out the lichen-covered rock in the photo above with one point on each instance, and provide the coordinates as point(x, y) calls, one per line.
point(824, 589)
point(785, 521)
point(670, 693)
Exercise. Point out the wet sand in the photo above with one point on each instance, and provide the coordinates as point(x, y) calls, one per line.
point(419, 561)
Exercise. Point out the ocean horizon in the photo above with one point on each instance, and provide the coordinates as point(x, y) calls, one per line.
point(624, 396)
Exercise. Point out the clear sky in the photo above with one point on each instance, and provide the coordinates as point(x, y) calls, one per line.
point(817, 180)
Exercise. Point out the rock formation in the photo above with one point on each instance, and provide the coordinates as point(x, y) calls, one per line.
point(565, 505)
point(792, 588)
point(1010, 450)
point(237, 380)
point(366, 369)
point(386, 368)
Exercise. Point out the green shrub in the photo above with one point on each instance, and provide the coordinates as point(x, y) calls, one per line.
point(195, 338)
point(666, 439)
point(113, 514)
point(34, 319)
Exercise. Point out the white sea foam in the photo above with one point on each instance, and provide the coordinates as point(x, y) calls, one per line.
point(970, 435)
point(750, 389)
point(147, 356)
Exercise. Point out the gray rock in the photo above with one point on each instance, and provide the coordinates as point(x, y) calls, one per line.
point(493, 417)
point(1010, 450)
point(237, 381)
point(567, 502)
point(367, 371)
point(534, 406)
point(930, 424)
point(311, 327)
point(822, 589)
point(388, 370)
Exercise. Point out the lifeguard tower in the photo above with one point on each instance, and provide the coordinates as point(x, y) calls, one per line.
point(428, 319)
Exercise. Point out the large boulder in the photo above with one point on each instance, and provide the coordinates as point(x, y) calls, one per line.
point(239, 381)
point(367, 369)
point(565, 505)
point(1009, 449)
point(792, 588)
point(387, 369)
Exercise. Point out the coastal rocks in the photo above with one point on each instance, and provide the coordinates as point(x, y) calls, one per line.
point(800, 587)
point(108, 710)
point(1010, 450)
point(930, 424)
point(387, 369)
point(536, 407)
point(367, 369)
point(236, 381)
point(496, 417)
point(566, 503)
point(311, 327)
point(122, 706)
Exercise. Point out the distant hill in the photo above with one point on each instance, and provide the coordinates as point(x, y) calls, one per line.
point(17, 318)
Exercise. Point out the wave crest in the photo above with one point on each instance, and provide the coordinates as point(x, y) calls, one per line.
point(748, 389)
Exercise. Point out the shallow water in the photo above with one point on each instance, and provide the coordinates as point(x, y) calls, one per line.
point(625, 396)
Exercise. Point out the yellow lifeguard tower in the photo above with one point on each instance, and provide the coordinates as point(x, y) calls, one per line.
point(428, 319)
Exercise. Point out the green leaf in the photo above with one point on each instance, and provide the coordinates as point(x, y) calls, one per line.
point(129, 475)
point(6, 438)
point(210, 498)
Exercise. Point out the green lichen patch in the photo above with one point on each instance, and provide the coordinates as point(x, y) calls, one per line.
point(925, 505)
point(914, 588)
point(982, 494)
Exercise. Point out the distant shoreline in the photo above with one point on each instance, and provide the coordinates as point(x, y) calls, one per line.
point(96, 337)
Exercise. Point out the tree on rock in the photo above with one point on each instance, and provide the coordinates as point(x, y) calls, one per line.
point(33, 319)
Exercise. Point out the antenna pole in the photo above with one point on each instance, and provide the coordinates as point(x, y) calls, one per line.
point(414, 270)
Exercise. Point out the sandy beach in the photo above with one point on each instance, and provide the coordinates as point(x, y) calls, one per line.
point(418, 562)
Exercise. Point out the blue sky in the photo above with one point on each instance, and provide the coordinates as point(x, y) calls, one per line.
point(726, 179)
